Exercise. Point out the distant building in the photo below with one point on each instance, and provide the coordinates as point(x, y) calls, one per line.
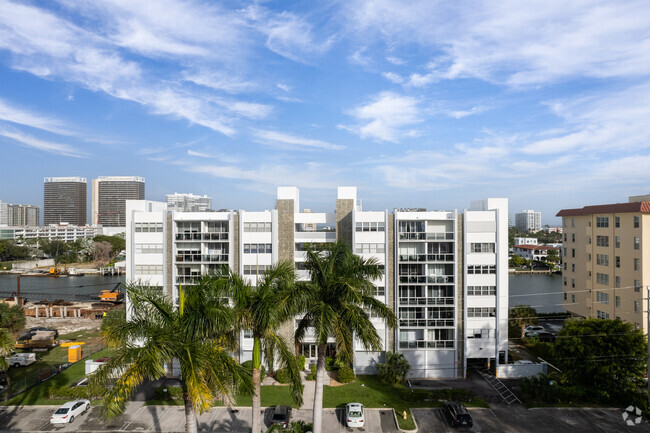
point(4, 213)
point(528, 221)
point(23, 215)
point(64, 200)
point(606, 270)
point(188, 203)
point(553, 229)
point(109, 196)
point(525, 241)
point(533, 252)
point(64, 232)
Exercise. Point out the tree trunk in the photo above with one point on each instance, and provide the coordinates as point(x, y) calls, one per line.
point(190, 415)
point(257, 401)
point(318, 392)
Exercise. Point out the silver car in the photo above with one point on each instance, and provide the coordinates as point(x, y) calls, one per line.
point(354, 415)
point(70, 410)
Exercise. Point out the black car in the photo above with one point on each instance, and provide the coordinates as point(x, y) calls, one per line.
point(281, 416)
point(457, 414)
point(546, 337)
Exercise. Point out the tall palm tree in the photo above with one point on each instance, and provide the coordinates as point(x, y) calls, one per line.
point(263, 309)
point(197, 333)
point(337, 302)
point(12, 321)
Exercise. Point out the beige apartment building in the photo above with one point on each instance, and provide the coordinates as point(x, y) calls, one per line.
point(606, 261)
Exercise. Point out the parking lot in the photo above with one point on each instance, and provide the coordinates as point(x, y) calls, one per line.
point(139, 418)
point(506, 419)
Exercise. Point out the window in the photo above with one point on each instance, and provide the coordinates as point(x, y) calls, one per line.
point(573, 298)
point(481, 312)
point(573, 267)
point(565, 296)
point(565, 264)
point(618, 261)
point(617, 222)
point(148, 248)
point(573, 222)
point(482, 269)
point(481, 247)
point(637, 243)
point(564, 223)
point(148, 269)
point(603, 298)
point(255, 269)
point(248, 333)
point(573, 252)
point(481, 290)
point(602, 259)
point(618, 302)
point(148, 227)
point(369, 248)
point(602, 278)
point(637, 264)
point(370, 226)
point(564, 251)
point(257, 227)
point(589, 257)
point(636, 222)
point(573, 237)
point(573, 283)
point(602, 315)
point(602, 241)
point(602, 221)
point(618, 242)
point(637, 285)
point(618, 282)
point(380, 291)
point(257, 248)
point(565, 281)
point(565, 237)
point(637, 306)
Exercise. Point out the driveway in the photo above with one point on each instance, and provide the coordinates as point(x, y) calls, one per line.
point(139, 418)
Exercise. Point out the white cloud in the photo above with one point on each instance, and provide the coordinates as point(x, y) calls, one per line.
point(281, 138)
point(385, 117)
point(395, 78)
point(459, 114)
point(283, 87)
point(220, 81)
point(43, 145)
point(510, 41)
point(395, 60)
point(11, 113)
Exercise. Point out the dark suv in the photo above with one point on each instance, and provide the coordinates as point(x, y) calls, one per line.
point(281, 416)
point(457, 414)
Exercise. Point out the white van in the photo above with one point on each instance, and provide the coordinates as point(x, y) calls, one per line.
point(21, 359)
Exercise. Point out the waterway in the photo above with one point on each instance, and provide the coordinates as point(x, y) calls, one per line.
point(541, 291)
point(76, 288)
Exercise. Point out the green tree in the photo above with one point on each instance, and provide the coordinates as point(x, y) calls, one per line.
point(517, 261)
point(12, 321)
point(608, 356)
point(118, 243)
point(552, 256)
point(263, 309)
point(522, 316)
point(197, 333)
point(395, 369)
point(337, 302)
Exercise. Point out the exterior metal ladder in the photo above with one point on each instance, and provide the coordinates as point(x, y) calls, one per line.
point(508, 396)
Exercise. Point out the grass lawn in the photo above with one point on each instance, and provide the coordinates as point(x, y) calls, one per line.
point(6, 266)
point(271, 396)
point(23, 377)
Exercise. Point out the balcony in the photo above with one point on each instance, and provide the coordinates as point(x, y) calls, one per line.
point(201, 237)
point(426, 236)
point(419, 279)
point(426, 257)
point(426, 301)
point(188, 279)
point(207, 258)
point(426, 344)
point(431, 323)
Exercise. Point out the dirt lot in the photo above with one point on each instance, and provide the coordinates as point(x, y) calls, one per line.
point(64, 325)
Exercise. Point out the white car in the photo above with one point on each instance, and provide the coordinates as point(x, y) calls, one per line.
point(70, 410)
point(354, 415)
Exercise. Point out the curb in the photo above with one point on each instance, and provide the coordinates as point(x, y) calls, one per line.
point(397, 422)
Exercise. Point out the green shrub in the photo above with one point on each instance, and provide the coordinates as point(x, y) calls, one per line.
point(312, 375)
point(282, 375)
point(249, 366)
point(395, 369)
point(301, 362)
point(172, 393)
point(345, 375)
point(77, 392)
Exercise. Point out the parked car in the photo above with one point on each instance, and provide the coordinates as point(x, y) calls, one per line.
point(354, 415)
point(21, 359)
point(70, 410)
point(457, 414)
point(281, 416)
point(533, 330)
point(545, 336)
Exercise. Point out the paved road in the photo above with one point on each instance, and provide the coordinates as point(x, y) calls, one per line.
point(515, 419)
point(167, 419)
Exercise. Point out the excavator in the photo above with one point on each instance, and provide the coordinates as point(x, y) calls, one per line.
point(115, 295)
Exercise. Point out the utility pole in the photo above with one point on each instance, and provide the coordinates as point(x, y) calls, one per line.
point(647, 311)
point(18, 301)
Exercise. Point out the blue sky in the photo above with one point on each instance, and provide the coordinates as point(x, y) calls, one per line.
point(419, 104)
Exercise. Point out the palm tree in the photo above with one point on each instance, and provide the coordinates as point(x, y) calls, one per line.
point(522, 316)
point(337, 302)
point(262, 309)
point(197, 333)
point(12, 321)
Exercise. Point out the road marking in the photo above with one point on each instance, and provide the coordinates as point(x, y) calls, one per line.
point(132, 418)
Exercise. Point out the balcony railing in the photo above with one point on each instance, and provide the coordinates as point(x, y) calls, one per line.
point(415, 279)
point(208, 258)
point(426, 301)
point(427, 236)
point(201, 236)
point(427, 322)
point(188, 279)
point(426, 344)
point(426, 257)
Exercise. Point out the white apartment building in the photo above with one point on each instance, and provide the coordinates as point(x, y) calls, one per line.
point(64, 232)
point(525, 241)
point(528, 221)
point(188, 203)
point(425, 278)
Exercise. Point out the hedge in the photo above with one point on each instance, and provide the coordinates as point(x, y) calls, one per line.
point(77, 392)
point(301, 362)
point(345, 375)
point(282, 375)
point(312, 375)
point(172, 393)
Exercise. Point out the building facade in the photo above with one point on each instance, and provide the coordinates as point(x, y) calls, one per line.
point(188, 203)
point(528, 221)
point(19, 214)
point(606, 269)
point(64, 200)
point(441, 280)
point(109, 195)
point(64, 232)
